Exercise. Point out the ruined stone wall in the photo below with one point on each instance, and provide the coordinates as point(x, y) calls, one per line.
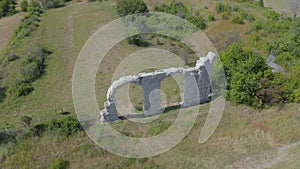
point(197, 87)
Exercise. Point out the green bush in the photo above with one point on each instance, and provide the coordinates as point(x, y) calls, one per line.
point(178, 8)
point(35, 8)
point(220, 7)
point(128, 7)
point(237, 19)
point(226, 15)
point(197, 21)
point(243, 69)
point(174, 8)
point(24, 5)
point(30, 22)
point(19, 88)
point(7, 7)
point(211, 17)
point(64, 127)
point(34, 64)
point(59, 163)
point(272, 15)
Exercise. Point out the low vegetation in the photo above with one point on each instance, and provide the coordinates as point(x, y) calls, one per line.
point(179, 9)
point(7, 7)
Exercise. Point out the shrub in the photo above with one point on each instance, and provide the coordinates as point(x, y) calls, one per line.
point(178, 8)
point(7, 7)
point(24, 5)
point(220, 7)
point(197, 21)
point(19, 88)
point(237, 19)
point(243, 13)
point(174, 8)
point(211, 17)
point(59, 163)
point(272, 15)
point(243, 69)
point(34, 64)
point(63, 127)
point(226, 15)
point(35, 8)
point(261, 3)
point(128, 7)
point(30, 22)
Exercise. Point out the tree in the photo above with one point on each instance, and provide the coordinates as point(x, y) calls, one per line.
point(128, 7)
point(243, 70)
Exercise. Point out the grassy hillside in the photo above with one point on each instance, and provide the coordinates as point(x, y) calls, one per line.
point(245, 137)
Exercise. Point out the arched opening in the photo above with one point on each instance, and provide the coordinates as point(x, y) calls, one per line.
point(136, 97)
point(172, 92)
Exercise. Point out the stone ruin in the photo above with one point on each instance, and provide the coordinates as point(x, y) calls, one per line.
point(196, 89)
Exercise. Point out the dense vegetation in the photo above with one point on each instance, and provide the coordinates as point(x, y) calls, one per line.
point(128, 7)
point(249, 80)
point(7, 7)
point(179, 9)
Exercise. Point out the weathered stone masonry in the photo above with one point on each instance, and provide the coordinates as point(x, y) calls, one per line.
point(197, 87)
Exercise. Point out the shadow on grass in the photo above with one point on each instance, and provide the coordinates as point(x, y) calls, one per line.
point(141, 115)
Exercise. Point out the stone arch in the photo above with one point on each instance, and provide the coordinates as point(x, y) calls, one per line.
point(197, 87)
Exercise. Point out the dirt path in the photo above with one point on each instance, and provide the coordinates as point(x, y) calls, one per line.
point(69, 39)
point(70, 52)
point(7, 27)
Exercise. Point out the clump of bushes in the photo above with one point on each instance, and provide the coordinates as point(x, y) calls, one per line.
point(179, 9)
point(211, 17)
point(24, 5)
point(128, 7)
point(31, 22)
point(237, 19)
point(174, 8)
point(34, 64)
point(63, 127)
point(19, 88)
point(220, 8)
point(32, 68)
point(59, 163)
point(7, 7)
point(243, 69)
point(226, 15)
